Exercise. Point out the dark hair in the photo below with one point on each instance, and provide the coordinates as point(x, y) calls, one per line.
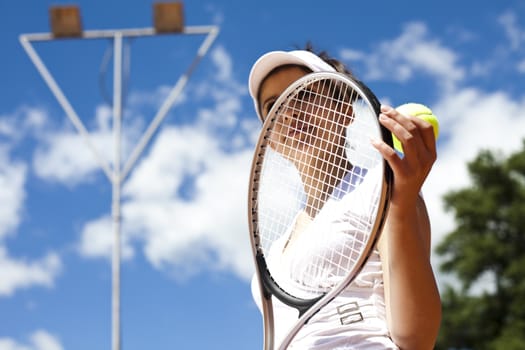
point(337, 64)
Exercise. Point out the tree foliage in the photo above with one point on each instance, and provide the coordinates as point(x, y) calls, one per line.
point(488, 241)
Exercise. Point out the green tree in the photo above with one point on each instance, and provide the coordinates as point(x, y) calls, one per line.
point(489, 241)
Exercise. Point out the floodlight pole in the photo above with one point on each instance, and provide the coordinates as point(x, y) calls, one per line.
point(116, 187)
point(117, 174)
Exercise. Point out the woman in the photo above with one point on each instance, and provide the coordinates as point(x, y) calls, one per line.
point(394, 303)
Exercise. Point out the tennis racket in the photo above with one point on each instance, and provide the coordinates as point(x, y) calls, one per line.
point(318, 195)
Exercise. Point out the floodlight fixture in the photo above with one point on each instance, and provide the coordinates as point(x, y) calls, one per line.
point(168, 17)
point(65, 21)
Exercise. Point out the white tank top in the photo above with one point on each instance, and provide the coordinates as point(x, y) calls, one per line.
point(356, 319)
point(362, 302)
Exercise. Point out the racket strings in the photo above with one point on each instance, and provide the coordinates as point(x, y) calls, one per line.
point(321, 110)
point(318, 240)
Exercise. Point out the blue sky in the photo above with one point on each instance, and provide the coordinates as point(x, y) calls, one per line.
point(186, 261)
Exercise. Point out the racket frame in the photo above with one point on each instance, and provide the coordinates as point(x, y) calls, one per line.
point(307, 308)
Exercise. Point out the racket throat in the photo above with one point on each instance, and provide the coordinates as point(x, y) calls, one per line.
point(270, 287)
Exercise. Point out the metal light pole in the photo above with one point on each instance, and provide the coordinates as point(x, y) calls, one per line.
point(65, 23)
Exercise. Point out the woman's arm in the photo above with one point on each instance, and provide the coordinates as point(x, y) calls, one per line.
point(411, 294)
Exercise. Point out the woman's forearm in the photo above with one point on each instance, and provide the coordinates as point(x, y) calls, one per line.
point(413, 301)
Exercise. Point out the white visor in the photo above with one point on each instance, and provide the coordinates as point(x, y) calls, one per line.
point(271, 60)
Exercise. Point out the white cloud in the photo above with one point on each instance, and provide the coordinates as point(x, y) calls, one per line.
point(470, 120)
point(24, 120)
point(98, 237)
point(155, 98)
point(185, 201)
point(35, 118)
point(66, 158)
point(515, 35)
point(209, 228)
point(411, 53)
point(175, 154)
point(6, 127)
point(19, 274)
point(521, 66)
point(223, 62)
point(506, 55)
point(12, 181)
point(38, 340)
point(63, 155)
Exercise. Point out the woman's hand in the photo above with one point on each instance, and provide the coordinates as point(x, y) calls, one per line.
point(419, 146)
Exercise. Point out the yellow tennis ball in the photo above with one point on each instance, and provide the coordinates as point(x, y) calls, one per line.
point(420, 111)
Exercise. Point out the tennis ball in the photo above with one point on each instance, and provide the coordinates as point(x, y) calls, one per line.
point(420, 111)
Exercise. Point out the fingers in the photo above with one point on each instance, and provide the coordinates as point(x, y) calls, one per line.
point(419, 147)
point(414, 133)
